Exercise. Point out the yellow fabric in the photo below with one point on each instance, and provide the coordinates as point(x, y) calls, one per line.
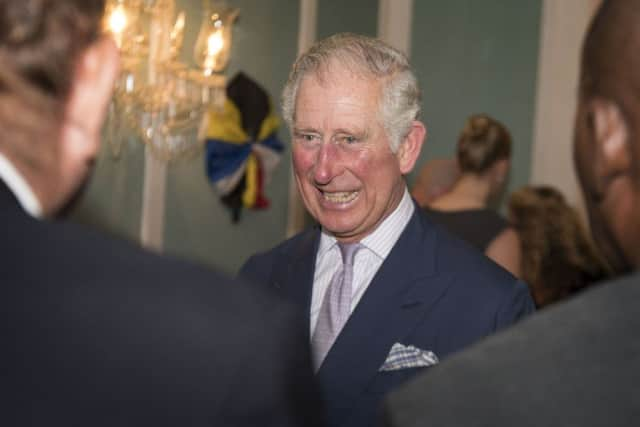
point(226, 125)
point(251, 180)
point(269, 125)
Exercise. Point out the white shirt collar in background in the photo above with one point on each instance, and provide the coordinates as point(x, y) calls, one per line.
point(20, 188)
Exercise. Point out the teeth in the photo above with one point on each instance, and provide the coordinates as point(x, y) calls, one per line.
point(340, 197)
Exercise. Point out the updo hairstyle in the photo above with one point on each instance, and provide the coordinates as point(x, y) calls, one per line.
point(482, 143)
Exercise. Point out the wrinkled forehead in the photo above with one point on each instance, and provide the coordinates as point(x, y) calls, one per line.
point(335, 69)
point(336, 80)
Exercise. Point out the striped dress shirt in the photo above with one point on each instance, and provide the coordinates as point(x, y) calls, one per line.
point(375, 248)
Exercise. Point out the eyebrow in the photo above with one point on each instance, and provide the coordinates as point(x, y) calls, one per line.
point(306, 129)
point(361, 133)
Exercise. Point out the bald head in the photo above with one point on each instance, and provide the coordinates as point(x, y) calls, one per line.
point(436, 177)
point(606, 139)
point(610, 66)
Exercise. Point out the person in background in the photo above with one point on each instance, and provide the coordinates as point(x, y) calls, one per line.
point(97, 332)
point(483, 154)
point(575, 363)
point(436, 177)
point(558, 256)
point(386, 292)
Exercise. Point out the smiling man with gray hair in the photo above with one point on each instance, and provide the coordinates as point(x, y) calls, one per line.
point(386, 292)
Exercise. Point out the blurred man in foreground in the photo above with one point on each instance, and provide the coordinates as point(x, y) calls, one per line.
point(575, 364)
point(98, 332)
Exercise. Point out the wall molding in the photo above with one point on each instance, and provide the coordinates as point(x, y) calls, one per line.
point(307, 34)
point(394, 23)
point(562, 29)
point(153, 202)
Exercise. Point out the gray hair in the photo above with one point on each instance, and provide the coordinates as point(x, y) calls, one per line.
point(369, 58)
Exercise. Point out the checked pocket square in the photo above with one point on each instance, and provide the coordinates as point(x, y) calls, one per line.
point(403, 357)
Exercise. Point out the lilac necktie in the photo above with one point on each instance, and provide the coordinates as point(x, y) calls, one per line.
point(336, 305)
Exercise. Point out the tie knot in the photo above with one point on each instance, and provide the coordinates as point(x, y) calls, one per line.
point(348, 251)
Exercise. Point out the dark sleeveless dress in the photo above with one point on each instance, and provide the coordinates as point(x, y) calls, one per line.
point(477, 226)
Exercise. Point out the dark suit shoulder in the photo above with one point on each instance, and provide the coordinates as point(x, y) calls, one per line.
point(290, 246)
point(606, 311)
point(103, 326)
point(475, 280)
point(260, 267)
point(456, 256)
point(560, 366)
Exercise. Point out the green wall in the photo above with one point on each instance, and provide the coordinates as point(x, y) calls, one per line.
point(354, 16)
point(469, 56)
point(113, 200)
point(472, 57)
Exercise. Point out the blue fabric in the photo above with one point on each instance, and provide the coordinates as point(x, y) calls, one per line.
point(273, 142)
point(224, 158)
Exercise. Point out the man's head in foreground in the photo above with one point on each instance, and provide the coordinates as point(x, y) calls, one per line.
point(56, 77)
point(607, 125)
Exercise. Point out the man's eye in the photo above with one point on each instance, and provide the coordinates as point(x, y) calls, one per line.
point(307, 137)
point(348, 139)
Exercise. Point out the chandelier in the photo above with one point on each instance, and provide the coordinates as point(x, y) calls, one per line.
point(158, 98)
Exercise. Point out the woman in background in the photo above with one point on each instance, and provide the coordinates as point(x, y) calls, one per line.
point(558, 256)
point(483, 154)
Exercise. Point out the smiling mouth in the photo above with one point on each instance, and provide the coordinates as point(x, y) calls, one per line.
point(340, 196)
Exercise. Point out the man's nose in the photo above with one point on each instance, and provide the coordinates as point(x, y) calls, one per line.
point(327, 163)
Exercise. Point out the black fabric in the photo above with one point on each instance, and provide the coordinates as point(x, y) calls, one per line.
point(476, 226)
point(254, 106)
point(252, 101)
point(233, 199)
point(97, 332)
point(573, 364)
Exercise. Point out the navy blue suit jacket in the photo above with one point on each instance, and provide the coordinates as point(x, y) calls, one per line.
point(433, 291)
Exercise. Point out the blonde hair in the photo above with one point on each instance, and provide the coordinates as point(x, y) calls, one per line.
point(558, 255)
point(482, 142)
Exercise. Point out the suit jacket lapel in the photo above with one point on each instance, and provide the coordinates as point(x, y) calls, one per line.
point(399, 295)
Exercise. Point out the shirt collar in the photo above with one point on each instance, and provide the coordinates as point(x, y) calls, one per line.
point(383, 238)
point(20, 188)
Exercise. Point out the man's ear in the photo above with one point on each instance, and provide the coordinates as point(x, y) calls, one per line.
point(410, 147)
point(612, 157)
point(95, 73)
